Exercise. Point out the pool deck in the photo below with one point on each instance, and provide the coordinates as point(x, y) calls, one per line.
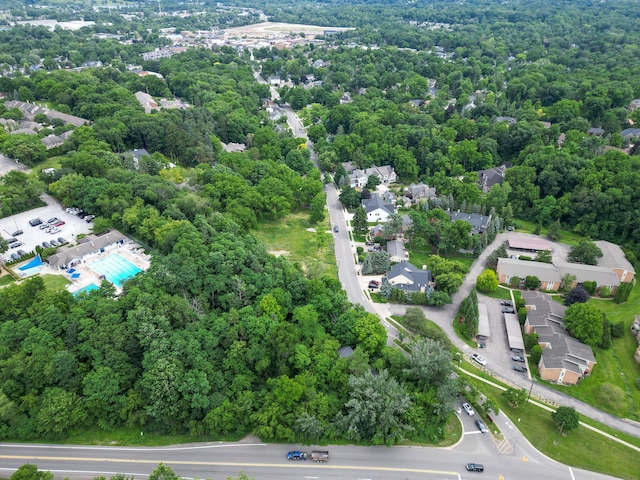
point(130, 251)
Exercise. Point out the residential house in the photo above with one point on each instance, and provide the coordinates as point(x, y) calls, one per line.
point(408, 277)
point(376, 232)
point(417, 192)
point(595, 131)
point(274, 80)
point(358, 178)
point(511, 121)
point(630, 133)
point(634, 105)
point(550, 275)
point(490, 177)
point(614, 258)
point(564, 359)
point(51, 141)
point(377, 209)
point(479, 223)
point(385, 173)
point(407, 223)
point(396, 251)
point(147, 102)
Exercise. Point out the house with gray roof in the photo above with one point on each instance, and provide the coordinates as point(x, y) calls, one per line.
point(614, 258)
point(479, 223)
point(397, 252)
point(358, 178)
point(630, 133)
point(417, 192)
point(385, 173)
point(490, 177)
point(406, 276)
point(596, 131)
point(564, 359)
point(511, 121)
point(377, 209)
point(51, 141)
point(550, 275)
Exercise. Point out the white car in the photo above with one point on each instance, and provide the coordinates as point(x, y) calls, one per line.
point(479, 359)
point(468, 409)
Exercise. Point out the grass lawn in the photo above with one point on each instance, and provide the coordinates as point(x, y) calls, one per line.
point(291, 237)
point(577, 448)
point(500, 293)
point(428, 330)
point(6, 280)
point(53, 162)
point(566, 236)
point(54, 282)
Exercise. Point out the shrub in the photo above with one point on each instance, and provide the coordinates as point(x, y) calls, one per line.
point(530, 340)
point(522, 315)
point(617, 329)
point(590, 287)
point(576, 295)
point(638, 383)
point(531, 282)
point(487, 281)
point(605, 292)
point(612, 397)
point(536, 354)
point(514, 282)
point(622, 292)
point(524, 257)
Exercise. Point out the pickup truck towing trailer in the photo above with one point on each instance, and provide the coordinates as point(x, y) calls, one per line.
point(296, 455)
point(320, 456)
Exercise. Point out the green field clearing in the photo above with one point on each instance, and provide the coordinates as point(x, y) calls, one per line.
point(291, 237)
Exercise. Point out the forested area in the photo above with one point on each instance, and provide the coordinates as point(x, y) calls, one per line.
point(219, 338)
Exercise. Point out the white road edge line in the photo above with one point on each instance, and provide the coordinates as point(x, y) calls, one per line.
point(571, 472)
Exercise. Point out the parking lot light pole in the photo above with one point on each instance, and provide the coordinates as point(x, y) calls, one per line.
point(533, 380)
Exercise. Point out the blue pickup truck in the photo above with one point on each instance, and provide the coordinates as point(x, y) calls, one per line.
point(296, 455)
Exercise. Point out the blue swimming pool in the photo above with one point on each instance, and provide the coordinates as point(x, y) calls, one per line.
point(88, 288)
point(115, 268)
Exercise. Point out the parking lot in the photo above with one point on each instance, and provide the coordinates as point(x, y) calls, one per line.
point(33, 236)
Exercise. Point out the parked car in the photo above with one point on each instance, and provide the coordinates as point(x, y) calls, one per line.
point(61, 240)
point(21, 252)
point(517, 358)
point(59, 223)
point(475, 467)
point(52, 220)
point(520, 368)
point(369, 243)
point(479, 359)
point(468, 409)
point(15, 256)
point(11, 240)
point(81, 214)
point(17, 232)
point(54, 230)
point(15, 244)
point(295, 455)
point(508, 310)
point(506, 303)
point(46, 244)
point(53, 243)
point(35, 222)
point(481, 426)
point(44, 226)
point(335, 228)
point(374, 284)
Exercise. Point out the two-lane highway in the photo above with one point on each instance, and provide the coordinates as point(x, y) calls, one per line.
point(217, 461)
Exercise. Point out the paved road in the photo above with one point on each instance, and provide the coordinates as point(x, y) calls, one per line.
point(268, 462)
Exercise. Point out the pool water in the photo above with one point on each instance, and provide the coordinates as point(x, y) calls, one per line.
point(88, 288)
point(116, 269)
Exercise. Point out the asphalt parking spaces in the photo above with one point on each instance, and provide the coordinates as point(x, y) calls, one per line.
point(33, 236)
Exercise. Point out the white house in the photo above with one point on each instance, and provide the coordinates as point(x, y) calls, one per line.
point(377, 209)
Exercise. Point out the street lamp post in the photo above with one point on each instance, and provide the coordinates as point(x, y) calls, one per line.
point(533, 380)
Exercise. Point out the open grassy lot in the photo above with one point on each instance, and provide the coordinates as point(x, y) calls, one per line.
point(55, 282)
point(578, 448)
point(292, 237)
point(566, 236)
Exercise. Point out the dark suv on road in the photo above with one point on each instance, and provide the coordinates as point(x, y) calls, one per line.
point(475, 467)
